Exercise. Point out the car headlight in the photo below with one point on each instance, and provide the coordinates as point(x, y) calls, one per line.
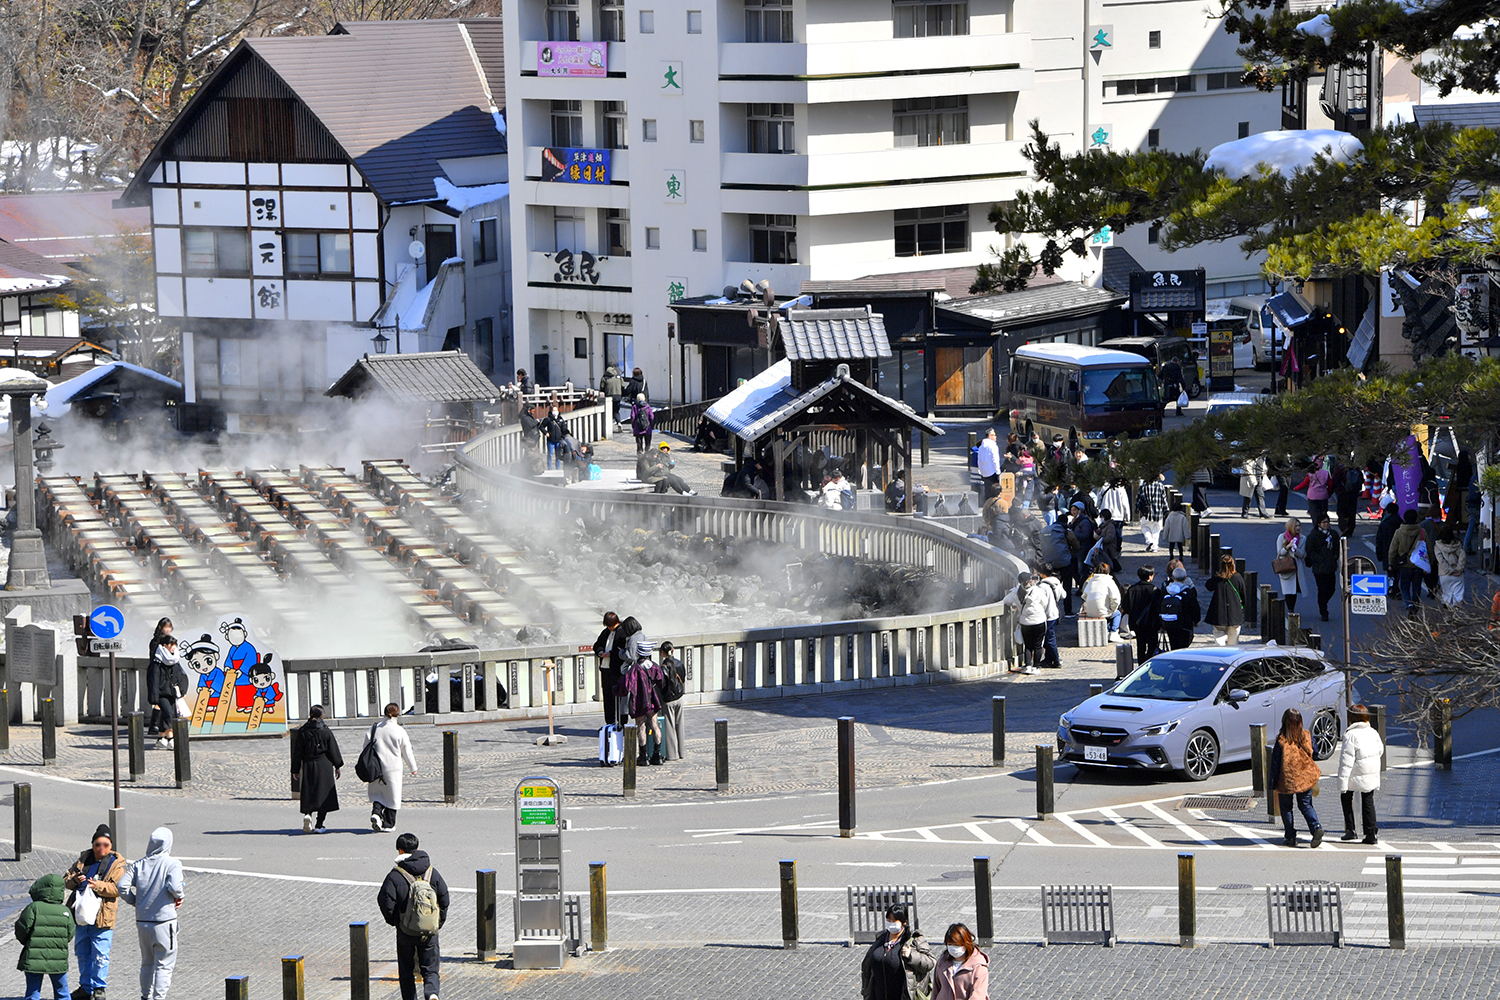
point(1149, 432)
point(1094, 435)
point(1161, 730)
point(1064, 721)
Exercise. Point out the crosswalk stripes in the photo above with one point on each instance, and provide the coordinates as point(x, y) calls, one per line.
point(1446, 870)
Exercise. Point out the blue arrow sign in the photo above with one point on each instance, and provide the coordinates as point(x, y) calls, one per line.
point(107, 621)
point(1368, 584)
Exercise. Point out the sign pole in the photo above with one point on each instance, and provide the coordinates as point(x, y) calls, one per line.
point(114, 722)
point(1347, 581)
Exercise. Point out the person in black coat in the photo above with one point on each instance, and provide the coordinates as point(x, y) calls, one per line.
point(317, 760)
point(1178, 608)
point(610, 648)
point(1141, 603)
point(413, 952)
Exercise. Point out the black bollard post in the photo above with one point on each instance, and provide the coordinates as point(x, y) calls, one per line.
point(1194, 519)
point(4, 713)
point(984, 902)
point(1124, 660)
point(1215, 549)
point(136, 731)
point(484, 913)
point(1263, 611)
point(1187, 901)
point(789, 904)
point(1095, 689)
point(1252, 596)
point(1239, 565)
point(1315, 641)
point(22, 804)
point(598, 908)
point(1395, 903)
point(997, 730)
point(1442, 734)
point(721, 754)
point(296, 778)
point(1377, 722)
point(1257, 758)
point(846, 776)
point(237, 988)
point(49, 731)
point(450, 766)
point(359, 961)
point(1275, 620)
point(1044, 796)
point(627, 760)
point(181, 756)
point(1293, 629)
point(293, 981)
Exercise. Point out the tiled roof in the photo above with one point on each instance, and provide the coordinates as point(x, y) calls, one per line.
point(65, 226)
point(1030, 305)
point(23, 272)
point(767, 401)
point(833, 335)
point(1478, 115)
point(429, 377)
point(1118, 266)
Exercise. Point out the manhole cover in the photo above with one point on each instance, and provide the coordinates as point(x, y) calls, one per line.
point(1230, 803)
point(1236, 885)
point(1360, 885)
point(958, 876)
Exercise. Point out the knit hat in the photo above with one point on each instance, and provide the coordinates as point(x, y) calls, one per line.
point(105, 832)
point(1179, 573)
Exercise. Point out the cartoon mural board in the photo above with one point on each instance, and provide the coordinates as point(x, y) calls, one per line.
point(239, 688)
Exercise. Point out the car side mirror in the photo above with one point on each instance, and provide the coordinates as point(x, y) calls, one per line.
point(1237, 695)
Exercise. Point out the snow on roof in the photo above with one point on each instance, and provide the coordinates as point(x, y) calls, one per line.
point(461, 199)
point(66, 392)
point(754, 393)
point(1282, 151)
point(1318, 27)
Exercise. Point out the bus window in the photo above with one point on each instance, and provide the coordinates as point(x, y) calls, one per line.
point(1118, 386)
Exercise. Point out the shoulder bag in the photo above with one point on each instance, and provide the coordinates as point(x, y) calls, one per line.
point(368, 767)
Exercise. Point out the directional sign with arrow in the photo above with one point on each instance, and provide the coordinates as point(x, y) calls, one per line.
point(1368, 585)
point(107, 621)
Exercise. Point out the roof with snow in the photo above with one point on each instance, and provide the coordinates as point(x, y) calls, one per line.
point(23, 272)
point(113, 377)
point(427, 377)
point(1031, 305)
point(395, 96)
point(768, 402)
point(1282, 151)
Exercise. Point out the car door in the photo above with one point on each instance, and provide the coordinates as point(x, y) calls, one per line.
point(1259, 678)
point(1302, 683)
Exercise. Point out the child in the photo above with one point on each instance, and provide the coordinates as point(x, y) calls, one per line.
point(262, 685)
point(45, 929)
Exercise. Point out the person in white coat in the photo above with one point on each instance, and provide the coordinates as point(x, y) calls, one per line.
point(1036, 604)
point(392, 747)
point(1359, 771)
point(1290, 545)
point(1101, 598)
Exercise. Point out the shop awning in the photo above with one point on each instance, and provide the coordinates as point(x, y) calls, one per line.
point(1289, 309)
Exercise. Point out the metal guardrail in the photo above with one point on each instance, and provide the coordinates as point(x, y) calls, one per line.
point(1078, 914)
point(867, 906)
point(1305, 914)
point(681, 419)
point(573, 921)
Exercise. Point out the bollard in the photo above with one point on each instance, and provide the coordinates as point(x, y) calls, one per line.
point(598, 908)
point(926, 449)
point(1273, 797)
point(296, 777)
point(1044, 801)
point(1095, 689)
point(789, 904)
point(1215, 549)
point(293, 985)
point(237, 988)
point(997, 730)
point(4, 713)
point(1377, 722)
point(1315, 641)
point(1257, 758)
point(627, 760)
point(1294, 629)
point(450, 766)
point(984, 903)
point(1395, 903)
point(22, 803)
point(721, 754)
point(1124, 660)
point(1442, 734)
point(1263, 611)
point(1193, 521)
point(973, 442)
point(49, 731)
point(1252, 595)
point(181, 757)
point(136, 734)
point(359, 961)
point(1239, 565)
point(484, 913)
point(117, 832)
point(1187, 902)
point(846, 776)
point(1275, 620)
point(1200, 551)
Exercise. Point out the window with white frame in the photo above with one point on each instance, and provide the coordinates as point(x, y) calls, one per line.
point(648, 129)
point(486, 240)
point(617, 232)
point(567, 229)
point(567, 124)
point(770, 128)
point(940, 229)
point(615, 125)
point(931, 121)
point(215, 251)
point(653, 238)
point(920, 19)
point(768, 20)
point(695, 130)
point(773, 239)
point(611, 20)
point(313, 254)
point(562, 20)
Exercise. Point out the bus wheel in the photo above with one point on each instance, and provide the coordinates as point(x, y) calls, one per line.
point(1072, 438)
point(1029, 431)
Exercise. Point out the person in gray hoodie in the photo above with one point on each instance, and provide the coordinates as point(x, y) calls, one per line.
point(153, 885)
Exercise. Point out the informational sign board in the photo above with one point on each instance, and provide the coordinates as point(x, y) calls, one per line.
point(537, 804)
point(31, 655)
point(539, 918)
point(1362, 605)
point(1221, 360)
point(575, 166)
point(1367, 593)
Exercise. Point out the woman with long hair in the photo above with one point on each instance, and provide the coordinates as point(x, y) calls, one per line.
point(1291, 549)
point(1226, 602)
point(963, 971)
point(1296, 774)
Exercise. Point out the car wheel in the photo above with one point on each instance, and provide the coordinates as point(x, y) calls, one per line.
point(1200, 758)
point(1325, 735)
point(1196, 389)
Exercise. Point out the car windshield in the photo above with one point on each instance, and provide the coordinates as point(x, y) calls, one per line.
point(1174, 680)
point(1114, 387)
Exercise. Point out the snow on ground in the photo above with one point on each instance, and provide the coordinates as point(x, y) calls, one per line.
point(1282, 151)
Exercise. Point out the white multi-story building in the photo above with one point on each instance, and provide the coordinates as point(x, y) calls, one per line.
point(777, 140)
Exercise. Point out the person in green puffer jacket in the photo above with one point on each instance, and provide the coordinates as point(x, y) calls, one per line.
point(45, 929)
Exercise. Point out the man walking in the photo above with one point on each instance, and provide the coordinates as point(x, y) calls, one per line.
point(989, 466)
point(153, 885)
point(1322, 560)
point(414, 900)
point(613, 387)
point(1153, 501)
point(101, 869)
point(1142, 607)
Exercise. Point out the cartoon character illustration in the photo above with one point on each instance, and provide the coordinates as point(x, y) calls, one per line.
point(596, 58)
point(203, 656)
point(262, 685)
point(241, 656)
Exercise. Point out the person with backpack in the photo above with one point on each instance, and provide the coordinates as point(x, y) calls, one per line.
point(1178, 609)
point(642, 422)
point(899, 964)
point(391, 747)
point(613, 387)
point(638, 686)
point(154, 886)
point(1059, 596)
point(1035, 604)
point(43, 929)
point(97, 870)
point(673, 687)
point(414, 900)
point(317, 764)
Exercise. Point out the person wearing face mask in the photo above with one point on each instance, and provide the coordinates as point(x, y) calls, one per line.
point(898, 964)
point(963, 971)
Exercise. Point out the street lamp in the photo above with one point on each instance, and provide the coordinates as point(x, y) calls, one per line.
point(380, 340)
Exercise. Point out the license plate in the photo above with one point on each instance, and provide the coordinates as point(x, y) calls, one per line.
point(1098, 755)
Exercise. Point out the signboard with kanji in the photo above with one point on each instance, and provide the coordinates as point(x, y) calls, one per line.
point(1167, 291)
point(572, 59)
point(575, 166)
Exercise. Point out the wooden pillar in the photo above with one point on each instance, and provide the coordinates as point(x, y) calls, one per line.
point(906, 503)
point(778, 456)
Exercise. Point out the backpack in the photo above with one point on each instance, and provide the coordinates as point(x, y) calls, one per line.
point(672, 683)
point(641, 422)
point(1171, 608)
point(368, 767)
point(421, 915)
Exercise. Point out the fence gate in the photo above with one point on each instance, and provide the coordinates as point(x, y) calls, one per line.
point(1078, 914)
point(867, 906)
point(1305, 914)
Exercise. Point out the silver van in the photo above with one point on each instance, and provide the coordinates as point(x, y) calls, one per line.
point(1264, 339)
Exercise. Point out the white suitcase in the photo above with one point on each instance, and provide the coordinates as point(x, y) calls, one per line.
point(611, 745)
